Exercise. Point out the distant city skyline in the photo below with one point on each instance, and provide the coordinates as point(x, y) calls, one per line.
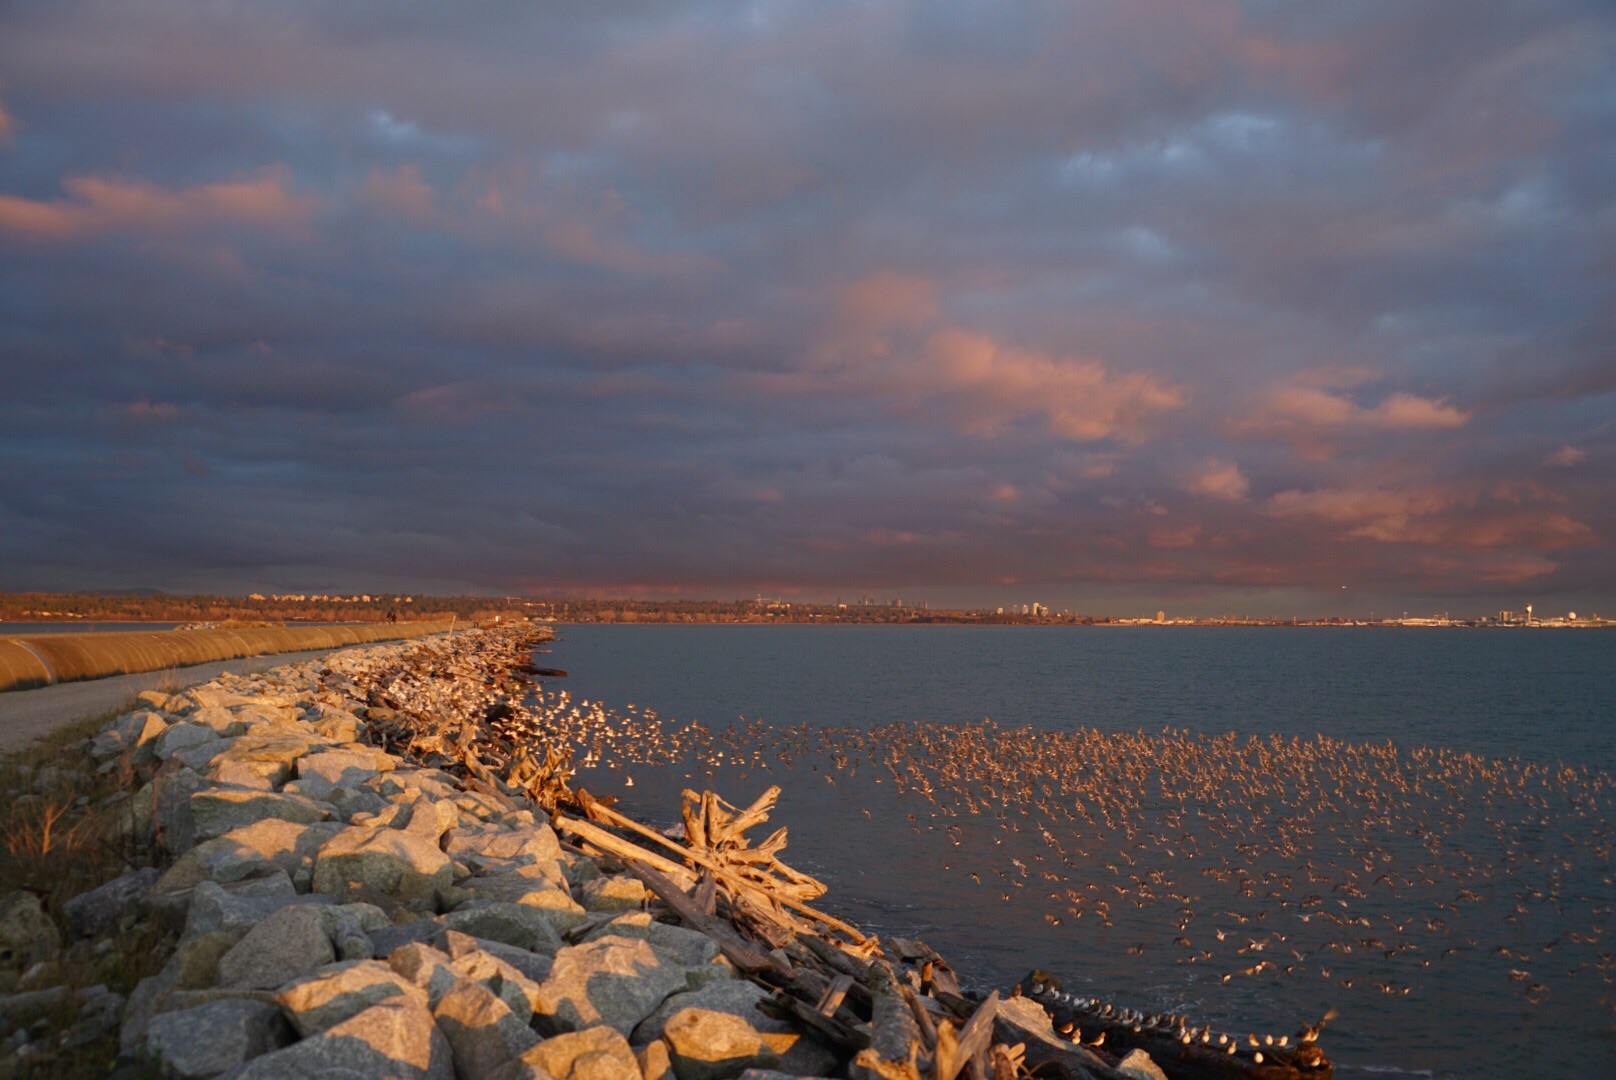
point(1123, 307)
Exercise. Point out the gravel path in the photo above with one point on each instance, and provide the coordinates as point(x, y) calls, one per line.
point(28, 715)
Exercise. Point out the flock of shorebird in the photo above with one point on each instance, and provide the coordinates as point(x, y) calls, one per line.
point(1369, 866)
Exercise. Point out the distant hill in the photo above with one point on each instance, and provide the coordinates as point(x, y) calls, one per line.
point(129, 592)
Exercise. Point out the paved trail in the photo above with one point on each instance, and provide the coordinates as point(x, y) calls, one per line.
point(28, 715)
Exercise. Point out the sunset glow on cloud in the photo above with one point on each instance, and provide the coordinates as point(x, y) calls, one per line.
point(1213, 306)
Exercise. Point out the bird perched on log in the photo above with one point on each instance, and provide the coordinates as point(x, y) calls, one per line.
point(1310, 1033)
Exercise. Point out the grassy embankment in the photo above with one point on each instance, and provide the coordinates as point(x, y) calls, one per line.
point(64, 830)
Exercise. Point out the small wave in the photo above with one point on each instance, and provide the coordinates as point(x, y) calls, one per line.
point(1384, 1069)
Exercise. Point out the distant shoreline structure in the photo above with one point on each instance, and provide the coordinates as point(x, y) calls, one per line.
point(148, 606)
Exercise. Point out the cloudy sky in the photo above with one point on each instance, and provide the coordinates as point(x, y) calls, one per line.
point(1273, 307)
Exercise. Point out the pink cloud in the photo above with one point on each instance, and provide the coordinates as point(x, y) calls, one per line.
point(98, 204)
point(1567, 457)
point(1432, 516)
point(887, 339)
point(141, 409)
point(511, 207)
point(450, 403)
point(1183, 537)
point(887, 300)
point(1217, 479)
point(996, 385)
point(1313, 409)
point(400, 192)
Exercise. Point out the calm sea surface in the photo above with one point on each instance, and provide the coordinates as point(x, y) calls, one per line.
point(1248, 825)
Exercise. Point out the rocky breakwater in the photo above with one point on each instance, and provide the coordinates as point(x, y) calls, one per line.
point(329, 908)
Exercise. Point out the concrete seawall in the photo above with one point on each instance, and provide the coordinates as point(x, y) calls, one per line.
point(46, 659)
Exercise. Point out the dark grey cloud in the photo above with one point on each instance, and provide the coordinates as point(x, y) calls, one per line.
point(1211, 302)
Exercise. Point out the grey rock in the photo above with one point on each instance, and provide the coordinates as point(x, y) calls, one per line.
point(596, 1053)
point(737, 997)
point(173, 788)
point(238, 906)
point(483, 805)
point(271, 751)
point(208, 1040)
point(427, 968)
point(433, 783)
point(402, 865)
point(472, 959)
point(336, 992)
point(106, 744)
point(394, 1039)
point(614, 981)
point(238, 774)
point(385, 941)
point(534, 966)
point(318, 774)
point(177, 737)
point(136, 732)
point(1138, 1064)
point(201, 757)
point(482, 1031)
point(482, 847)
point(615, 893)
point(27, 934)
point(141, 1007)
point(349, 927)
point(512, 924)
point(99, 911)
point(195, 963)
point(540, 885)
point(708, 1045)
point(249, 851)
point(220, 809)
point(290, 943)
point(21, 1010)
point(223, 722)
point(691, 948)
point(350, 802)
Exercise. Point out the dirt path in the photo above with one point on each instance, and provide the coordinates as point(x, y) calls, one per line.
point(28, 715)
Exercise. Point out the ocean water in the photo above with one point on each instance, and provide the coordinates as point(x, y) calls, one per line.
point(1248, 825)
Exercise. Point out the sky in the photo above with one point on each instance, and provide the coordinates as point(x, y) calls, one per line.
point(1268, 307)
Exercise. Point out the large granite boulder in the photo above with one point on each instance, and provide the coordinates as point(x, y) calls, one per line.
point(396, 1038)
point(238, 906)
point(332, 994)
point(27, 934)
point(208, 1040)
point(403, 865)
point(595, 1053)
point(290, 943)
point(100, 910)
point(249, 852)
point(220, 809)
point(614, 981)
point(708, 1045)
point(482, 1031)
point(512, 924)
